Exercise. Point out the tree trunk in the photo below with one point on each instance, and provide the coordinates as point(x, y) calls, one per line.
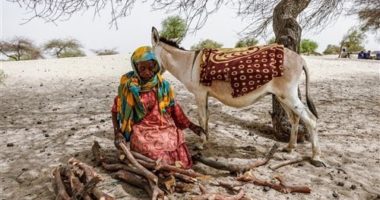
point(287, 32)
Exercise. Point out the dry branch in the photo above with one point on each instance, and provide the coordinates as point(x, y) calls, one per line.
point(90, 175)
point(289, 162)
point(236, 168)
point(281, 187)
point(61, 190)
point(148, 174)
point(100, 195)
point(134, 180)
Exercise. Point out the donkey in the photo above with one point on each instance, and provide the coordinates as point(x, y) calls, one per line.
point(185, 66)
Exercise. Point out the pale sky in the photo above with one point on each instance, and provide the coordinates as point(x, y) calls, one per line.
point(135, 29)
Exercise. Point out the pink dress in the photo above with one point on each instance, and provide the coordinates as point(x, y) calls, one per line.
point(160, 136)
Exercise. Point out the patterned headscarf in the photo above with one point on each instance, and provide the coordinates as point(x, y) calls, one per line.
point(130, 109)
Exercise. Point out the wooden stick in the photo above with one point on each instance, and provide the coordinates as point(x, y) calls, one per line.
point(100, 156)
point(183, 187)
point(289, 162)
point(171, 168)
point(236, 168)
point(89, 172)
point(61, 190)
point(148, 174)
point(77, 188)
point(100, 195)
point(134, 180)
point(293, 188)
point(142, 157)
point(185, 178)
point(281, 187)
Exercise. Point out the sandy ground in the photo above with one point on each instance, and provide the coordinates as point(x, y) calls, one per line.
point(51, 110)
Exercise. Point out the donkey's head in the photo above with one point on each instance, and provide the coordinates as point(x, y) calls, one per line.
point(157, 48)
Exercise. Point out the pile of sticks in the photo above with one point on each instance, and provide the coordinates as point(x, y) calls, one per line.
point(154, 177)
point(77, 180)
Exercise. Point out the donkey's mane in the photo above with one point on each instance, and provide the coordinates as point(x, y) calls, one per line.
point(171, 43)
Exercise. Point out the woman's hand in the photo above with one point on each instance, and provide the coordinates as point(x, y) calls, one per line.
point(196, 129)
point(119, 138)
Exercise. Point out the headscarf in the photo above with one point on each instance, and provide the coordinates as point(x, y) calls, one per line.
point(130, 109)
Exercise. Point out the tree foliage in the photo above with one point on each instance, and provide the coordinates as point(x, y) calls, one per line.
point(207, 43)
point(369, 13)
point(331, 49)
point(20, 48)
point(103, 52)
point(174, 28)
point(61, 48)
point(246, 42)
point(258, 13)
point(308, 46)
point(353, 40)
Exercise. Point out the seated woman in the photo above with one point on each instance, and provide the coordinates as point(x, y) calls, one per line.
point(146, 114)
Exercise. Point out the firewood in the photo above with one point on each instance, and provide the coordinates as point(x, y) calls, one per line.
point(89, 171)
point(185, 178)
point(281, 187)
point(148, 174)
point(134, 180)
point(171, 168)
point(61, 190)
point(142, 157)
point(77, 188)
point(217, 196)
point(289, 162)
point(236, 168)
point(183, 187)
point(100, 156)
point(100, 195)
point(168, 183)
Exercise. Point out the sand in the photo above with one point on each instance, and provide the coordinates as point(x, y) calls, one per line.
point(51, 110)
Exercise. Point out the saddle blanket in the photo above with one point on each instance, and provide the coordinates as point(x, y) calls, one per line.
point(246, 68)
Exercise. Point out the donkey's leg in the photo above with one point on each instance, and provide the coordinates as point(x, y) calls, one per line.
point(294, 103)
point(294, 121)
point(202, 103)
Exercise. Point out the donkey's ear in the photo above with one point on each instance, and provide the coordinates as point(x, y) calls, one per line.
point(155, 36)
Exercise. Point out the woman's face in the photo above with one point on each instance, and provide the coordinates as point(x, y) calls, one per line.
point(146, 69)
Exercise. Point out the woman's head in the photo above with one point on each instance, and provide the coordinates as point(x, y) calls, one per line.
point(144, 63)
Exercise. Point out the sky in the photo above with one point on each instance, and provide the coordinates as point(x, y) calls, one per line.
point(135, 30)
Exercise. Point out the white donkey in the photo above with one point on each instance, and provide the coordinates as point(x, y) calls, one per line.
point(185, 66)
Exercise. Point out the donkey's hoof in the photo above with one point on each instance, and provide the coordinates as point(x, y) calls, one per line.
point(318, 163)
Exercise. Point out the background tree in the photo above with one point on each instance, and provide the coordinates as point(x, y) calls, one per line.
point(353, 40)
point(103, 52)
point(308, 46)
point(271, 40)
point(331, 49)
point(287, 17)
point(174, 28)
point(246, 42)
point(207, 43)
point(20, 48)
point(61, 48)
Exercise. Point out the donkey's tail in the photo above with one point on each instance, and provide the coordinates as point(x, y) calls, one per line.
point(309, 101)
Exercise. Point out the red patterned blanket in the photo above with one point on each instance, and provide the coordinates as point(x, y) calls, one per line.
point(245, 68)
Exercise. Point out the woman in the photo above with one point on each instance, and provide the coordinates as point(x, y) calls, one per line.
point(146, 114)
